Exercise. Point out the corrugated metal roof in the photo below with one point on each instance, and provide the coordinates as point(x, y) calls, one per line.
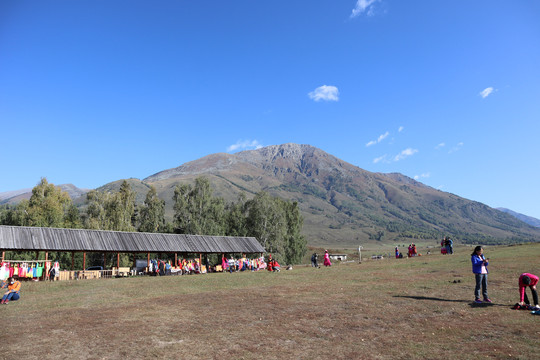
point(52, 239)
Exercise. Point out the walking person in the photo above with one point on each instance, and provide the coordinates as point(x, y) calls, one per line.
point(479, 268)
point(327, 258)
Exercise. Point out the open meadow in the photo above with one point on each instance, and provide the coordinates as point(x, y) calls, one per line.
point(419, 308)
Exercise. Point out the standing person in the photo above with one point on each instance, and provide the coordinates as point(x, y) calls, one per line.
point(314, 260)
point(449, 245)
point(479, 268)
point(327, 259)
point(528, 280)
point(397, 252)
point(14, 288)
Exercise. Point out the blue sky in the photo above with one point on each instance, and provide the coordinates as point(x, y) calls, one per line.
point(446, 92)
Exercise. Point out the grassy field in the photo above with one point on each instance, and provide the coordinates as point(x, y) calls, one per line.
point(418, 308)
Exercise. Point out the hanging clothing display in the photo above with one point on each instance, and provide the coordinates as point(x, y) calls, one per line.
point(4, 271)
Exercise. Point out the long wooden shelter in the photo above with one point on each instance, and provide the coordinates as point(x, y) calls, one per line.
point(22, 238)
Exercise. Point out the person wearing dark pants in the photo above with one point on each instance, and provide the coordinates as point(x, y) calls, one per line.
point(528, 280)
point(479, 267)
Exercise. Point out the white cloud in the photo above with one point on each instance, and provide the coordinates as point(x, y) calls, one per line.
point(400, 129)
point(383, 136)
point(363, 6)
point(456, 148)
point(379, 159)
point(244, 145)
point(421, 176)
point(405, 153)
point(325, 92)
point(441, 145)
point(379, 139)
point(486, 92)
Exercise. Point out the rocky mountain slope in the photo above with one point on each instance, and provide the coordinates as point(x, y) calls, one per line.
point(527, 219)
point(343, 204)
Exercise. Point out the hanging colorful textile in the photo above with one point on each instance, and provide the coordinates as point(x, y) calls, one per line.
point(39, 271)
point(4, 271)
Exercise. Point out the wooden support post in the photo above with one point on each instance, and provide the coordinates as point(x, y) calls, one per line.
point(148, 260)
point(118, 260)
point(37, 255)
point(104, 261)
point(72, 260)
point(3, 255)
point(46, 256)
point(175, 259)
point(84, 261)
point(134, 260)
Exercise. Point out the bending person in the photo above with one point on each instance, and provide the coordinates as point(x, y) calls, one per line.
point(528, 280)
point(14, 287)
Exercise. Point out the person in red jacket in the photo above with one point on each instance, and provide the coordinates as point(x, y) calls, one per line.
point(528, 280)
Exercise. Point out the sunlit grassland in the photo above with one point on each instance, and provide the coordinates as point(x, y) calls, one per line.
point(379, 309)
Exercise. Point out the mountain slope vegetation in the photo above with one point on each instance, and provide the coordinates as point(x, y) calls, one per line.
point(342, 204)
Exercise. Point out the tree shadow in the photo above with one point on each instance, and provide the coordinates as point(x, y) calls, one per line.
point(471, 303)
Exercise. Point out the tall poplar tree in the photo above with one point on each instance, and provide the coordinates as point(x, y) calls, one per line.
point(196, 211)
point(152, 213)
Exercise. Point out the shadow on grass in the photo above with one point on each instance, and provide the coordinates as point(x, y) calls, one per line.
point(471, 303)
point(430, 298)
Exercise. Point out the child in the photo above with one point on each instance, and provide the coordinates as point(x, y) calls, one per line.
point(14, 287)
point(528, 280)
point(479, 268)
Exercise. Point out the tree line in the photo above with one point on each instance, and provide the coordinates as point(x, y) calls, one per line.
point(276, 223)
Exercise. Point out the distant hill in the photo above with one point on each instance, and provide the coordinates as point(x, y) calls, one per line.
point(13, 197)
point(527, 219)
point(342, 204)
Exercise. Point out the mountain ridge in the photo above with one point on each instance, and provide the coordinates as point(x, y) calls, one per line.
point(342, 204)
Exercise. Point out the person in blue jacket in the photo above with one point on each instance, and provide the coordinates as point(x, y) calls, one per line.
point(479, 268)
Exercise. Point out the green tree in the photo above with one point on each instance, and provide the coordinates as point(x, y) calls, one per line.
point(296, 243)
point(152, 213)
point(47, 206)
point(196, 211)
point(120, 208)
point(96, 215)
point(236, 217)
point(72, 219)
point(267, 223)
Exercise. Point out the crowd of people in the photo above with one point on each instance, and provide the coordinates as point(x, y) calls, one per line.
point(243, 263)
point(186, 266)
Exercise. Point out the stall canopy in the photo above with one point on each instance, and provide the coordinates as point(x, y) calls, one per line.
point(20, 238)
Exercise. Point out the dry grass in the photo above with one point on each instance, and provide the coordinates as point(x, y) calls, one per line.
point(389, 309)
